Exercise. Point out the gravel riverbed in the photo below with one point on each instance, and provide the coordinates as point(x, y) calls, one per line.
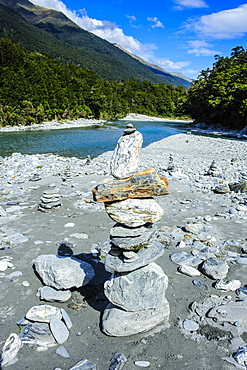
point(205, 217)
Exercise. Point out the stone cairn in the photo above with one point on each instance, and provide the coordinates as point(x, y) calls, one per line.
point(136, 288)
point(50, 200)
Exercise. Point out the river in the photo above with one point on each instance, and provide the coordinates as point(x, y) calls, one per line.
point(83, 141)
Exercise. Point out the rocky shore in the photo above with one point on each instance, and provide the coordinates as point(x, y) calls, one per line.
point(47, 208)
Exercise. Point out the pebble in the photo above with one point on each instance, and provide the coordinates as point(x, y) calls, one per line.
point(62, 351)
point(142, 363)
point(190, 325)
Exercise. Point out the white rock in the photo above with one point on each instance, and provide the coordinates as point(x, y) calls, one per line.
point(190, 325)
point(134, 212)
point(142, 363)
point(10, 349)
point(66, 319)
point(69, 224)
point(63, 272)
point(49, 294)
point(188, 270)
point(125, 158)
point(215, 268)
point(43, 313)
point(227, 285)
point(3, 265)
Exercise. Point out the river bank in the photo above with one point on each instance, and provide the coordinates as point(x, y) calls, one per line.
point(198, 128)
point(220, 224)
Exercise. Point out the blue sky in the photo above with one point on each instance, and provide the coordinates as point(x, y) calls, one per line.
point(178, 35)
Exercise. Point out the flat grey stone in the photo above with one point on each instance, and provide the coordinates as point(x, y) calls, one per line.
point(119, 323)
point(146, 255)
point(138, 290)
point(63, 272)
point(183, 258)
point(215, 268)
point(59, 330)
point(130, 242)
point(49, 294)
point(122, 231)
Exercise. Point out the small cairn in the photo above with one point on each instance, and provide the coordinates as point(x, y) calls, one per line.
point(213, 170)
point(136, 288)
point(50, 200)
point(170, 166)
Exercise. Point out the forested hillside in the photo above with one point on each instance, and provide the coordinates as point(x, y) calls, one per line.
point(50, 31)
point(219, 95)
point(35, 87)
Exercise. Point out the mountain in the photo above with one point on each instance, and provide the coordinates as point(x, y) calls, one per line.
point(50, 31)
point(171, 78)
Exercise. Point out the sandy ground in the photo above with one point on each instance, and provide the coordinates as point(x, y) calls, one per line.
point(164, 347)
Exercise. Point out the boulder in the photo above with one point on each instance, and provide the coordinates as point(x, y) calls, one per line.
point(63, 272)
point(215, 268)
point(125, 158)
point(239, 186)
point(138, 290)
point(134, 212)
point(144, 184)
point(119, 323)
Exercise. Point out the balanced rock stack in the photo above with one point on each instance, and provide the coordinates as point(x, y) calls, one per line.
point(136, 288)
point(50, 199)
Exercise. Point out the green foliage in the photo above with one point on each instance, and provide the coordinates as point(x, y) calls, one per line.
point(219, 95)
point(35, 87)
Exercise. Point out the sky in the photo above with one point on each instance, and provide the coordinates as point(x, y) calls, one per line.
point(178, 35)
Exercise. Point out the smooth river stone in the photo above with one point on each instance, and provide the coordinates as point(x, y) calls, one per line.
point(144, 184)
point(63, 272)
point(59, 330)
point(146, 255)
point(215, 268)
point(136, 242)
point(137, 290)
point(49, 294)
point(134, 212)
point(43, 313)
point(119, 323)
point(125, 158)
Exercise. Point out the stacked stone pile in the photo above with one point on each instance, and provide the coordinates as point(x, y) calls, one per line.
point(50, 200)
point(137, 286)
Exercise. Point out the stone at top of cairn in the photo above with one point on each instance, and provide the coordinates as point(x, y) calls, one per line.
point(125, 158)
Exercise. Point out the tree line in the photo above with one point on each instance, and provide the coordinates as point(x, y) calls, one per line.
point(35, 87)
point(219, 95)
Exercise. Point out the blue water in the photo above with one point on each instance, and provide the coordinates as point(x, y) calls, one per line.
point(80, 142)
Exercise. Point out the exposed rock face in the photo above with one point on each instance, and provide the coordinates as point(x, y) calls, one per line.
point(138, 290)
point(144, 184)
point(134, 212)
point(63, 272)
point(126, 155)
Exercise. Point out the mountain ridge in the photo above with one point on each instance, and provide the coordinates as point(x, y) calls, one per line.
point(70, 43)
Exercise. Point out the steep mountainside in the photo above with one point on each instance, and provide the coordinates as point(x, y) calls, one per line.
point(50, 31)
point(171, 78)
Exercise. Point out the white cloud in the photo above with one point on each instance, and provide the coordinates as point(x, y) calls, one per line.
point(226, 24)
point(104, 29)
point(156, 23)
point(168, 64)
point(181, 4)
point(201, 48)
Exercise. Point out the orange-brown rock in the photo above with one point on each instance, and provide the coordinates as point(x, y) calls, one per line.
point(144, 184)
